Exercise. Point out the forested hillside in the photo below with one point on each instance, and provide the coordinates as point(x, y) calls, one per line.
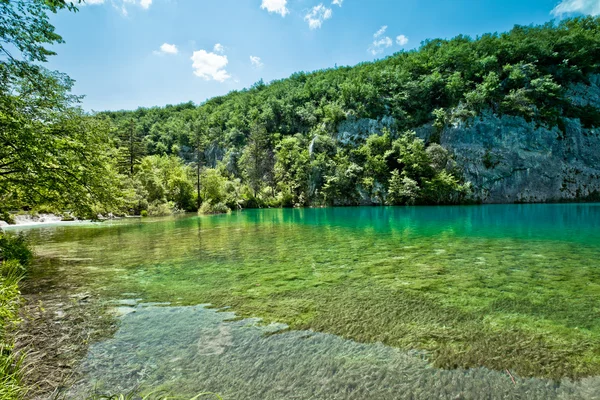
point(342, 136)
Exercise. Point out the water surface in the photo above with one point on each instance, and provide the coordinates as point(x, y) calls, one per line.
point(380, 302)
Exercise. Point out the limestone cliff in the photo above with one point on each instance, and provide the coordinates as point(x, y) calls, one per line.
point(508, 159)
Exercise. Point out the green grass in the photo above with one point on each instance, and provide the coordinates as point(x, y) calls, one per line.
point(14, 257)
point(11, 375)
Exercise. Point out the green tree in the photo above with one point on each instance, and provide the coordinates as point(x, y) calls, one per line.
point(402, 190)
point(166, 179)
point(50, 152)
point(255, 158)
point(292, 169)
point(198, 140)
point(131, 149)
point(341, 186)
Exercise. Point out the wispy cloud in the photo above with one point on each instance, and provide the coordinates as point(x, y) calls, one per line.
point(210, 66)
point(275, 6)
point(379, 45)
point(381, 42)
point(120, 5)
point(591, 7)
point(256, 62)
point(337, 2)
point(167, 48)
point(317, 15)
point(219, 48)
point(380, 32)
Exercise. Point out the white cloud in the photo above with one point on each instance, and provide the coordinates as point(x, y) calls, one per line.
point(337, 2)
point(256, 61)
point(379, 45)
point(167, 48)
point(381, 42)
point(275, 6)
point(122, 9)
point(380, 32)
point(401, 40)
point(219, 48)
point(120, 5)
point(210, 66)
point(591, 7)
point(317, 15)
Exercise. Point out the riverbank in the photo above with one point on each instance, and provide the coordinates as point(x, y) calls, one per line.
point(46, 326)
point(56, 331)
point(15, 257)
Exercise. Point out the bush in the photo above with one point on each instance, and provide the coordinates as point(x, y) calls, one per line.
point(144, 213)
point(158, 209)
point(12, 270)
point(403, 190)
point(210, 208)
point(15, 248)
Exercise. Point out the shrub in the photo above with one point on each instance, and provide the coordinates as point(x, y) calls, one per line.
point(14, 258)
point(15, 247)
point(158, 209)
point(12, 270)
point(403, 190)
point(210, 208)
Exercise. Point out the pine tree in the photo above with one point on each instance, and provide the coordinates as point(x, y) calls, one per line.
point(131, 149)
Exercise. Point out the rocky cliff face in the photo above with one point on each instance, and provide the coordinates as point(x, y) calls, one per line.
point(508, 159)
point(511, 160)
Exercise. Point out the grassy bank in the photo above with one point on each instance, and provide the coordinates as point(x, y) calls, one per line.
point(14, 259)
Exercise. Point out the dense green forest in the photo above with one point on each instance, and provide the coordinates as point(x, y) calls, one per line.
point(286, 143)
point(341, 136)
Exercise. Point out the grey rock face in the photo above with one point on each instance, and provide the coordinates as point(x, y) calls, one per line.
point(508, 159)
point(586, 95)
point(354, 131)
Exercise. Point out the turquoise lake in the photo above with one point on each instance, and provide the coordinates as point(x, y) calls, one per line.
point(341, 303)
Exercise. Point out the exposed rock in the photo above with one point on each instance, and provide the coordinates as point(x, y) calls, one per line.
point(508, 159)
point(354, 131)
point(583, 95)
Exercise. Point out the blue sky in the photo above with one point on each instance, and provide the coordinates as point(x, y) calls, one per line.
point(129, 53)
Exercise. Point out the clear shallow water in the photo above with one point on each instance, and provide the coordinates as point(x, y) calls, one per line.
point(480, 289)
point(188, 350)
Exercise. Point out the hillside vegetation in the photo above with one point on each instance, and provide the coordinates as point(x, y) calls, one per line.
point(342, 136)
